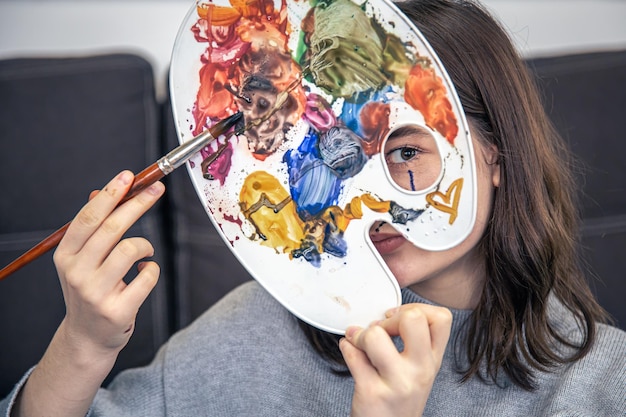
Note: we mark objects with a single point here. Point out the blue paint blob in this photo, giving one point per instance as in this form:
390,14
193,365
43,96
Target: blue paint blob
312,184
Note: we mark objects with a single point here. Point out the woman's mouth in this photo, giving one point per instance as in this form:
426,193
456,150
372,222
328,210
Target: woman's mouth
386,243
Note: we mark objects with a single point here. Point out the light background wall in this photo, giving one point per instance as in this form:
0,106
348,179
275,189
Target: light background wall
149,27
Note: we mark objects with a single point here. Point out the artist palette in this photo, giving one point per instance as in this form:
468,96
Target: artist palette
349,121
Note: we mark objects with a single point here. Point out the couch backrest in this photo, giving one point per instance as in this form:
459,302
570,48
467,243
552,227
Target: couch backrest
585,95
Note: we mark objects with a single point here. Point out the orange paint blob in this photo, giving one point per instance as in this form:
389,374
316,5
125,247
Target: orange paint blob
426,93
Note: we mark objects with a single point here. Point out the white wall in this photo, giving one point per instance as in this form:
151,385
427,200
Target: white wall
30,27
554,27
62,28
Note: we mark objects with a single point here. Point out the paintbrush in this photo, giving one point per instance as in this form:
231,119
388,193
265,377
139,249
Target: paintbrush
175,158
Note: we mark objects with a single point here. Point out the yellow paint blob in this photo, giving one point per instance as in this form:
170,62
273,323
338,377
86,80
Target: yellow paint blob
269,207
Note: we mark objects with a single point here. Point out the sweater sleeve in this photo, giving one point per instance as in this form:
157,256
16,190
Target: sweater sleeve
6,405
132,390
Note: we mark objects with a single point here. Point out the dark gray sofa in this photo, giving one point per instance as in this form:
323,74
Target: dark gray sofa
67,125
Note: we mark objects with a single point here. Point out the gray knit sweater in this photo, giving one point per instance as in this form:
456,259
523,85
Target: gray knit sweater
246,356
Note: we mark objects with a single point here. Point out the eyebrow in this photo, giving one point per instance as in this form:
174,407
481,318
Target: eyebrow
409,130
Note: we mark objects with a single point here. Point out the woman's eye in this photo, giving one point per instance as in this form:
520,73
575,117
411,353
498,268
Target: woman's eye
403,154
412,157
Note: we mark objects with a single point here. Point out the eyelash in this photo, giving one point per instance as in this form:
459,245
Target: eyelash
415,153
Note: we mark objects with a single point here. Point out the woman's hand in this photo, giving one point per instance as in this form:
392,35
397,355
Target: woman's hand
392,383
92,261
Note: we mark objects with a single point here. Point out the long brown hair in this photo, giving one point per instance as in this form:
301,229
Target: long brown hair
531,242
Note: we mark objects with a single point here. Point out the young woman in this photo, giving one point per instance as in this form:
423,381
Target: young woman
502,324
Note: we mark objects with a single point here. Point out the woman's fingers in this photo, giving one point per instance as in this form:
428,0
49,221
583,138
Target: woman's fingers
378,347
91,260
423,328
111,229
440,323
139,288
93,194
121,259
90,217
357,361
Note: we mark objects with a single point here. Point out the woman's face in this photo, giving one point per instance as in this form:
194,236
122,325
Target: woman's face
453,277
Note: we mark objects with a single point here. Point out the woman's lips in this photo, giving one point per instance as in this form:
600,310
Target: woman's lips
386,243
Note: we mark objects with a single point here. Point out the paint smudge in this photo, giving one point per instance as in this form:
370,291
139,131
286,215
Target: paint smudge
233,219
411,180
312,184
403,215
342,302
319,113
216,162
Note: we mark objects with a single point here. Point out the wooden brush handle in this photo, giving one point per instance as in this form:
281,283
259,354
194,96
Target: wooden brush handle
142,181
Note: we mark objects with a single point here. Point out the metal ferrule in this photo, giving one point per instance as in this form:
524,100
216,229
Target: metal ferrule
177,156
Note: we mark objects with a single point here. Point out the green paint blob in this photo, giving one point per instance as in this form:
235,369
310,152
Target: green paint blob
346,53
